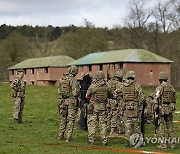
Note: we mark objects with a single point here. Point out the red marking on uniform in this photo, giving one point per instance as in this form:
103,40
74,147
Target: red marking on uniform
107,149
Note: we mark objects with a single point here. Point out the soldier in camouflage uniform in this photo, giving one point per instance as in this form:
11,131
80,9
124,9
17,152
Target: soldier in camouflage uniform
18,94
99,91
149,108
133,98
120,122
113,104
165,99
68,90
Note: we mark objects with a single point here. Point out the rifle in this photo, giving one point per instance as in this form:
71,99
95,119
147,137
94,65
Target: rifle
143,119
156,115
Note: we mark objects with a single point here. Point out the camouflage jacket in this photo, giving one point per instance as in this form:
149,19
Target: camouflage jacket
92,92
18,88
133,105
165,98
73,86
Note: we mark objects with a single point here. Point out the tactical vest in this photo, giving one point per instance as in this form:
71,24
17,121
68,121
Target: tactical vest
130,97
101,93
168,94
65,88
129,93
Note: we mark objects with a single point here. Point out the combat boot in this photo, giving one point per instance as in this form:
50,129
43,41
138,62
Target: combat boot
172,146
113,132
61,136
16,121
69,140
162,146
128,144
105,143
90,143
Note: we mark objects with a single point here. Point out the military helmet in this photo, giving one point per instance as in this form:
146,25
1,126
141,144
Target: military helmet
20,70
73,70
163,76
118,74
99,75
130,74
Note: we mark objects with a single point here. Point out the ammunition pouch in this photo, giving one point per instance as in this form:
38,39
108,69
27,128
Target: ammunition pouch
71,103
167,108
132,109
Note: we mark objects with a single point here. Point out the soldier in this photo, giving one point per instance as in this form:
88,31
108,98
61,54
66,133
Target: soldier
120,122
68,90
165,100
99,91
18,94
113,104
84,85
149,108
133,98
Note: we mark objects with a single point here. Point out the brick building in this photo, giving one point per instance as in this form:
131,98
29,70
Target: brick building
42,71
146,65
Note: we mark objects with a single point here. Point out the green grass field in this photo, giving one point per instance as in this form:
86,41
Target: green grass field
39,132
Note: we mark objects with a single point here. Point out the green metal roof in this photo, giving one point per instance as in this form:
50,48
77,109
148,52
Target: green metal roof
54,61
126,55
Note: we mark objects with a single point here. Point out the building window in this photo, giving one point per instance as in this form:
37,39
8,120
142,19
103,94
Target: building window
121,66
100,67
46,70
32,71
114,66
24,71
12,72
41,70
89,68
32,82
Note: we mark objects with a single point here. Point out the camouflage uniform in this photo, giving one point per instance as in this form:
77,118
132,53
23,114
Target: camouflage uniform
165,101
68,90
120,123
18,94
133,98
149,108
113,115
99,91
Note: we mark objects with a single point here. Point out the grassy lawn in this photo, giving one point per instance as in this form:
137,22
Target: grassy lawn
39,132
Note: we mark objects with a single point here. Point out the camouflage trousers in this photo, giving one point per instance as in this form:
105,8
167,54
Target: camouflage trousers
91,122
120,125
166,122
18,108
132,125
67,123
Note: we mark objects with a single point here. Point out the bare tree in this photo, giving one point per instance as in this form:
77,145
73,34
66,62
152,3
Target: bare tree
137,21
174,15
162,16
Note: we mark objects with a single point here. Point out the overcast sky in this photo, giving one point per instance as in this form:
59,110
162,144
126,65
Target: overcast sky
102,13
